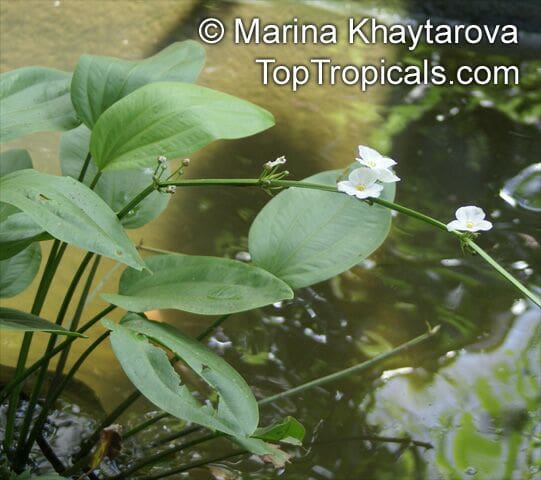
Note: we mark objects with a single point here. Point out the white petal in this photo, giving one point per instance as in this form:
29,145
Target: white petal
386,162
385,175
368,154
366,163
346,187
364,176
455,225
470,213
483,225
374,191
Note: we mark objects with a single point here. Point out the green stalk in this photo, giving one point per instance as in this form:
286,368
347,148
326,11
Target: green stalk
163,454
136,200
194,464
50,345
16,382
77,317
55,255
504,273
86,163
56,392
142,426
267,183
132,398
333,377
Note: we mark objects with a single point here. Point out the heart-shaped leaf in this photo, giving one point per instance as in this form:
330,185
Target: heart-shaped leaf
35,99
70,212
204,285
11,319
306,236
151,372
98,81
117,188
171,119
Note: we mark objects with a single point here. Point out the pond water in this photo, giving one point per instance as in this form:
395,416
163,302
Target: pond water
473,394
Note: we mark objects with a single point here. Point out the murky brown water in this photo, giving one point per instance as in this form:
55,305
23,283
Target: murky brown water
475,395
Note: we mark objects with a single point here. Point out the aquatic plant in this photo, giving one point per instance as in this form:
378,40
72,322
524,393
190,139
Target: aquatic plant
123,120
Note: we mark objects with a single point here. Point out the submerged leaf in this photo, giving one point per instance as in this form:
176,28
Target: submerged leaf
306,236
99,81
70,212
35,99
197,284
171,119
148,367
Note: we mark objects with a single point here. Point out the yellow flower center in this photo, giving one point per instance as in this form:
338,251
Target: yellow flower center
372,164
360,188
469,224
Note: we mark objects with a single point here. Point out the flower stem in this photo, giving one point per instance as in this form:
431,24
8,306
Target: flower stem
354,369
265,183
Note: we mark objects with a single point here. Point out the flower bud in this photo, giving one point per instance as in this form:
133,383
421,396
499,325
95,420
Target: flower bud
186,162
162,159
170,189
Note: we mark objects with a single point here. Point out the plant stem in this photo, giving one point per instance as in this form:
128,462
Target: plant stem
132,398
86,163
194,464
11,386
50,345
354,369
504,273
56,392
77,317
142,426
94,181
136,200
163,454
55,255
264,183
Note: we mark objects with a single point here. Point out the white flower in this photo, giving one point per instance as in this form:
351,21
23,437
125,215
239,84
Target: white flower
279,161
361,183
380,164
469,219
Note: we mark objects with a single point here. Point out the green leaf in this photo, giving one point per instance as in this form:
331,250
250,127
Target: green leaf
13,160
98,82
35,99
306,236
70,212
17,230
196,284
18,271
171,119
267,452
116,188
288,430
11,319
151,372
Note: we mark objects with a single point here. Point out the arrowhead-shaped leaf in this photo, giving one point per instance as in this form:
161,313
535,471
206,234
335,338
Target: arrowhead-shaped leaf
35,99
171,119
306,236
71,212
151,372
204,285
98,82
